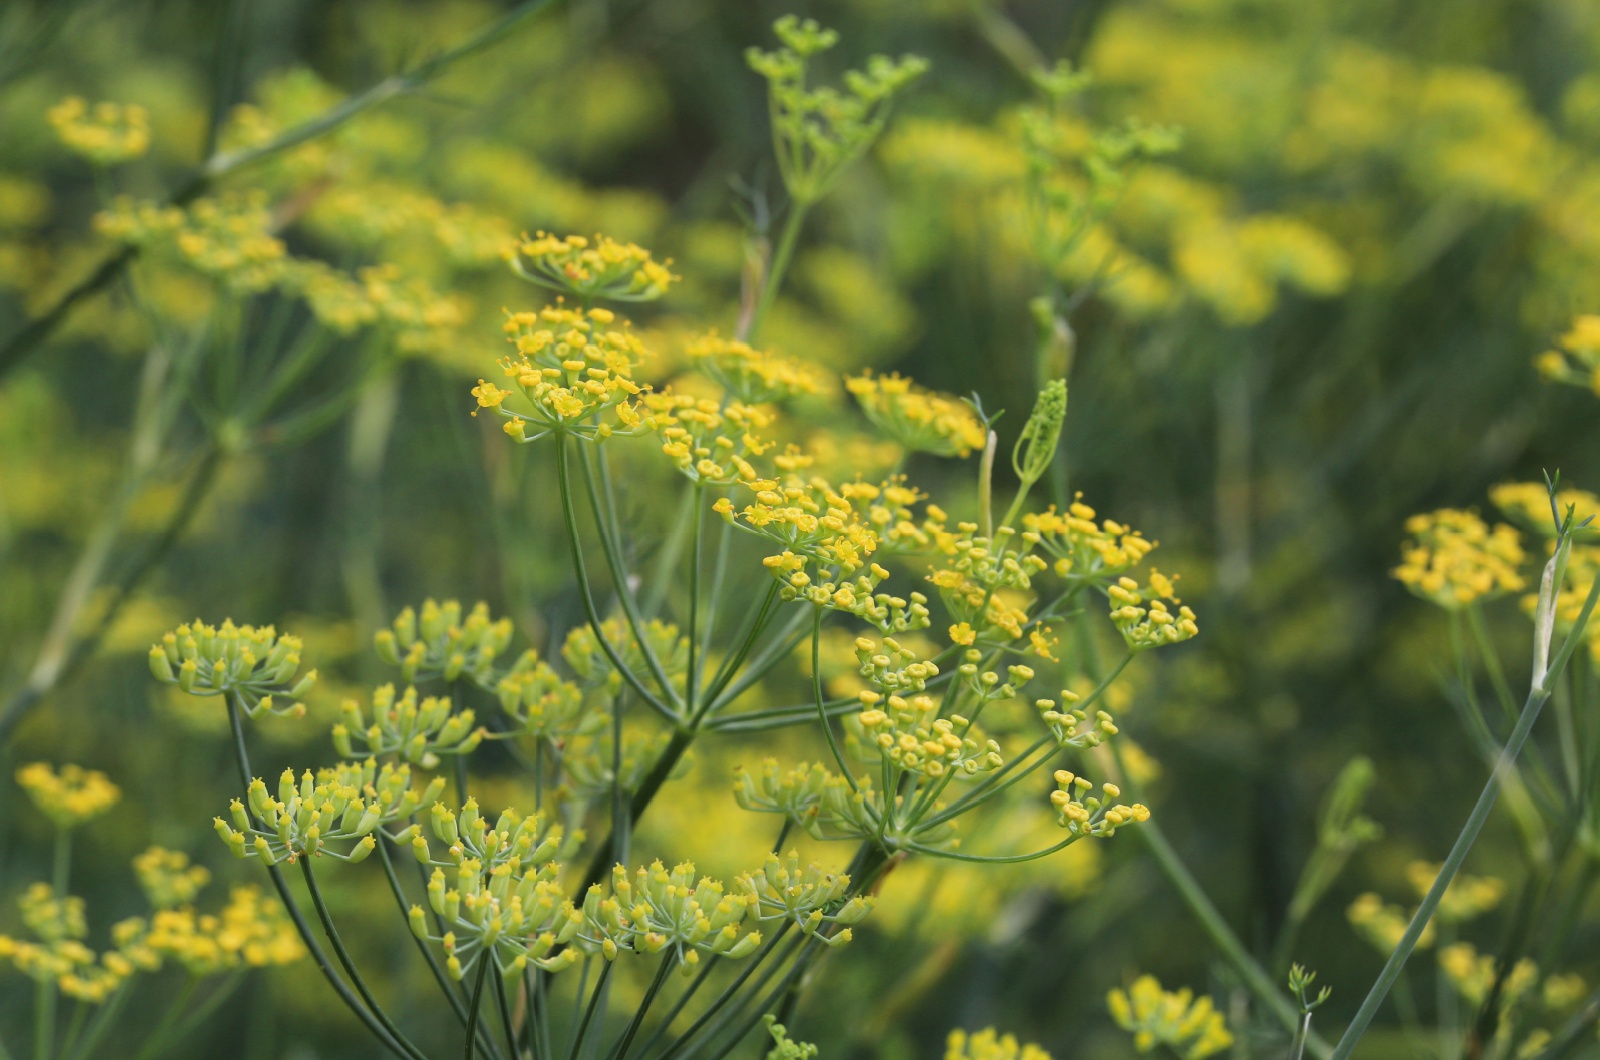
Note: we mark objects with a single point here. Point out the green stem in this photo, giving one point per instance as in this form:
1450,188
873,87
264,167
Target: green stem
610,548
709,1016
778,268
1475,821
194,1019
44,1019
691,681
822,710
476,1005
581,572
582,1031
457,1003
620,1050
349,964
281,885
507,1025
706,968
730,665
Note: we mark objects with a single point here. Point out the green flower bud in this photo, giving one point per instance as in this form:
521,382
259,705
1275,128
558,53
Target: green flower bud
161,666
362,850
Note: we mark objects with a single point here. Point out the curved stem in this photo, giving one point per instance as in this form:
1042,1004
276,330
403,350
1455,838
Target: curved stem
476,1005
620,1050
290,906
611,549
730,665
581,572
778,267
691,681
349,965
822,710
589,1011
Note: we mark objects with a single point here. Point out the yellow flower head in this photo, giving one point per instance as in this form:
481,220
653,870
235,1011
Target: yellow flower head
1084,549
710,442
988,1045
1528,504
601,268
920,420
229,238
1467,897
1192,1028
70,796
571,365
1144,617
754,376
105,133
167,878
1576,357
1454,558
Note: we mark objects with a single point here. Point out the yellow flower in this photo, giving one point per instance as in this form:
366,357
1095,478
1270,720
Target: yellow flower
1454,558
1192,1028
987,1045
70,796
106,133
963,634
920,420
754,376
601,269
1576,358
489,396
571,367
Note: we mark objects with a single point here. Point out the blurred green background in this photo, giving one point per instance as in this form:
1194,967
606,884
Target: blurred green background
1271,420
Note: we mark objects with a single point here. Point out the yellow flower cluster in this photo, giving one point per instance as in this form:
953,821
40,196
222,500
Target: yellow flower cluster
68,796
1455,558
817,800
599,269
910,736
807,897
541,703
441,643
106,133
571,367
167,878
1192,1028
1467,897
1143,617
1064,723
417,731
754,376
920,420
1473,974
372,212
251,931
1083,549
1576,358
1383,925
60,955
1084,814
988,1045
250,664
228,238
1529,504
710,442
302,820
980,579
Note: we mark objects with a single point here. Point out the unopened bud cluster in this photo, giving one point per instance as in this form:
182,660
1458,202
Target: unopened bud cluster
251,665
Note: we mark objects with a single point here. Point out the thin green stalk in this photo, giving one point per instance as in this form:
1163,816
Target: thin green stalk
582,1030
507,1025
641,800
730,665
349,965
620,580
1491,661
719,579
57,663
708,1018
816,691
691,683
44,1019
801,963
103,1020
620,1050
778,267
457,1003
1543,679
195,1018
1222,936
476,1005
667,555
157,1041
581,572
290,906
706,968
